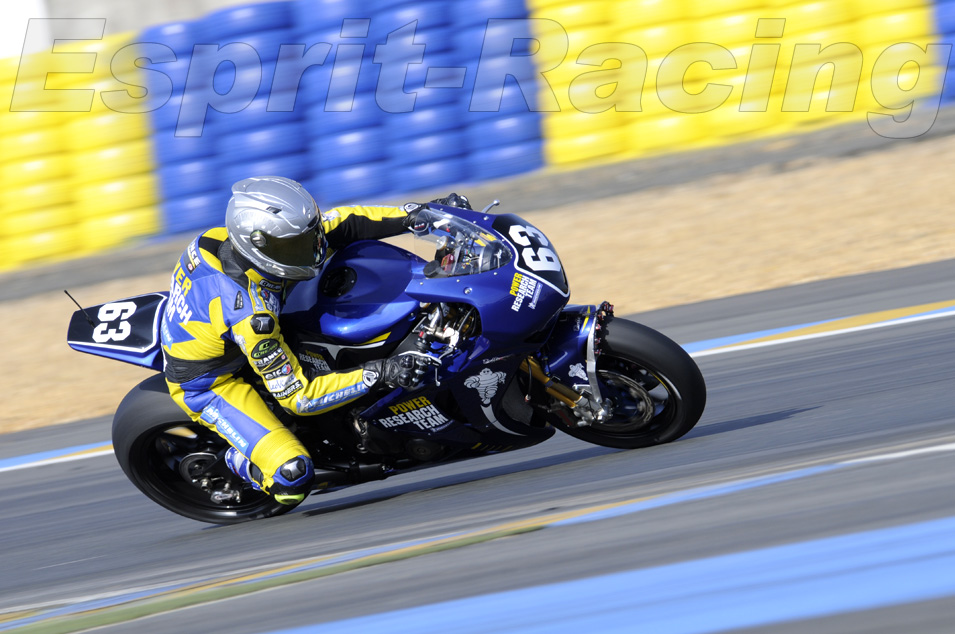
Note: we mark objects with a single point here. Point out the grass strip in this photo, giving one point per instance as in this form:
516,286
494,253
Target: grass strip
113,615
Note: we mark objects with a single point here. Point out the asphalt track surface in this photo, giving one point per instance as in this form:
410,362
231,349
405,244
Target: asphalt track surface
769,484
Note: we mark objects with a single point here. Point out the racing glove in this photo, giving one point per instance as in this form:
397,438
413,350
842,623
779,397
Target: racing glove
411,220
451,200
397,371
454,200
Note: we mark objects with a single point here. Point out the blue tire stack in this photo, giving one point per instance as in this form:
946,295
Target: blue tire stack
502,132
184,149
322,91
347,151
945,26
256,129
423,124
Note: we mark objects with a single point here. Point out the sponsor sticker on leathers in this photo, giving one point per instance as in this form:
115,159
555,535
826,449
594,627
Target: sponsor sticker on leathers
264,348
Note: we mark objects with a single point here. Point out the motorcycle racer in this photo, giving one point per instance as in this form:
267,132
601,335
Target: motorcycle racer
222,321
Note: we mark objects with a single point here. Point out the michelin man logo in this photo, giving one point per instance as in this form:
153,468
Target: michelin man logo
486,384
577,370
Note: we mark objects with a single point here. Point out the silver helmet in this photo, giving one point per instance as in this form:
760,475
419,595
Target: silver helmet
275,224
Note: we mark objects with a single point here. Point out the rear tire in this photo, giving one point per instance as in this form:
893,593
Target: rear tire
156,444
657,390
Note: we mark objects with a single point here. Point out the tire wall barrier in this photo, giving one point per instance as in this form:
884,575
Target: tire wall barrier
78,176
722,71
372,100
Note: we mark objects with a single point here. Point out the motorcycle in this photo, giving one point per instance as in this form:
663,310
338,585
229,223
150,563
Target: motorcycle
478,310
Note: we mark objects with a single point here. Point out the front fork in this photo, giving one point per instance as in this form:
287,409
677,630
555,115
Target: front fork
572,352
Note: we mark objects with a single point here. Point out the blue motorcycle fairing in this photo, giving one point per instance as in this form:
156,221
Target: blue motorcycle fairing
359,296
465,411
513,325
567,346
502,320
126,330
535,254
525,314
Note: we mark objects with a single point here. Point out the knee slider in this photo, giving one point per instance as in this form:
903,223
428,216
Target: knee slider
293,479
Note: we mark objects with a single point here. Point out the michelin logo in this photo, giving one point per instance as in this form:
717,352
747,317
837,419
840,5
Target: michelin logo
212,415
307,406
577,371
486,383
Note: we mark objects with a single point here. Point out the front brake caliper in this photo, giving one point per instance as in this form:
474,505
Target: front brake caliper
592,408
604,315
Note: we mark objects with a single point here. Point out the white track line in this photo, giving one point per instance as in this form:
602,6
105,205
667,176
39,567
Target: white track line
42,463
818,335
904,454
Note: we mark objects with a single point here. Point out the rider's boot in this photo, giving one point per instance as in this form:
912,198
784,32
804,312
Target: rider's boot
290,484
240,465
293,480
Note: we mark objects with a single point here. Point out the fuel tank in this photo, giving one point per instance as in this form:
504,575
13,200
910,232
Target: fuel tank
359,296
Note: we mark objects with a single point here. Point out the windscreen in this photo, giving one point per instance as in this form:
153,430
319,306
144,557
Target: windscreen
454,247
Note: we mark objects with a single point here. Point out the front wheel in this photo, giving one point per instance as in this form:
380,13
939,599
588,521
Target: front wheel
655,390
177,463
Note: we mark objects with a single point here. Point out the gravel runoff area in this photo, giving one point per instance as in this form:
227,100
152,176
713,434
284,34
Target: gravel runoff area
644,234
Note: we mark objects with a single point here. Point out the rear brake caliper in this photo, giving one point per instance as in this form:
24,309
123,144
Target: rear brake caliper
197,468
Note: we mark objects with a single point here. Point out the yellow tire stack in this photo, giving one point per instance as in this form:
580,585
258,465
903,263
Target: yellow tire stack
667,120
901,25
580,129
35,219
74,182
772,67
110,153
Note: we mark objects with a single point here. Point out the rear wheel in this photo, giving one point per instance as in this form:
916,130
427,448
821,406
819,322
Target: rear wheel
655,390
178,463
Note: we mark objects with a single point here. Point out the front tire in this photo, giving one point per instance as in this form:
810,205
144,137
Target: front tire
164,454
656,389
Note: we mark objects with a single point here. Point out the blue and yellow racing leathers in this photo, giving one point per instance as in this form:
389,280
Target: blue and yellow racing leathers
223,317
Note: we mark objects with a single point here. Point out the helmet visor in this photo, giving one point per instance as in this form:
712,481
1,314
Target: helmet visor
306,249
